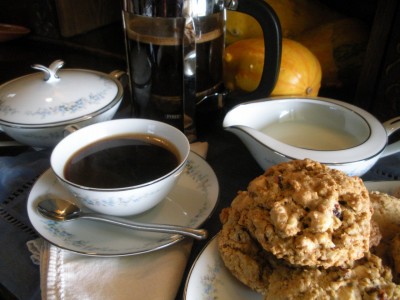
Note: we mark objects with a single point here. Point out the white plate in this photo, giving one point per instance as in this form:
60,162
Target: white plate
190,203
209,279
389,187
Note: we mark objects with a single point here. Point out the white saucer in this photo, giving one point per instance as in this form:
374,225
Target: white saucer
210,279
190,203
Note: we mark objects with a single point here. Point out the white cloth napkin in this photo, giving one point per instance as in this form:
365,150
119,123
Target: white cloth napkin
155,275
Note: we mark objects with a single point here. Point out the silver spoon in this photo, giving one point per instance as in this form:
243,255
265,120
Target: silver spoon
62,210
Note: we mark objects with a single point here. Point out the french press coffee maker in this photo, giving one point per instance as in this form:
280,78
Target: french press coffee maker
175,56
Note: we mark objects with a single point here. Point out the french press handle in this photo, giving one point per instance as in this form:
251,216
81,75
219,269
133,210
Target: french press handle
269,21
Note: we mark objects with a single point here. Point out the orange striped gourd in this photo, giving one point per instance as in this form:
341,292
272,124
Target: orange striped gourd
300,72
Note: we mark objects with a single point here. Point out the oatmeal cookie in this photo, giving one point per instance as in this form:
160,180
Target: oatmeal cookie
366,279
309,214
386,213
241,254
375,235
395,257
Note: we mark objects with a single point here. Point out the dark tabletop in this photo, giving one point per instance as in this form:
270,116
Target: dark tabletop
21,166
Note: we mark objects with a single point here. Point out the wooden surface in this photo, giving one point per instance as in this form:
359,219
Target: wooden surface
76,16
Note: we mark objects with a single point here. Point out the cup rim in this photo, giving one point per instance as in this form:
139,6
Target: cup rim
80,133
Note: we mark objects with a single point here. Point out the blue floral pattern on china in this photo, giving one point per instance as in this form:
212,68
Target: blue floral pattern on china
211,281
203,183
113,202
58,230
85,104
198,180
68,108
192,170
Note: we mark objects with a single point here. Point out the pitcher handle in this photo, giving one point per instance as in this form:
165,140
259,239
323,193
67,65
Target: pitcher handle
391,126
269,21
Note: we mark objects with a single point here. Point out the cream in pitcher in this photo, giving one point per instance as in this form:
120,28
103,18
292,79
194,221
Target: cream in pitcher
174,55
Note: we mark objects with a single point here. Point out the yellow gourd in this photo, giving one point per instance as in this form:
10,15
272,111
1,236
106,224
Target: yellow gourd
240,26
300,71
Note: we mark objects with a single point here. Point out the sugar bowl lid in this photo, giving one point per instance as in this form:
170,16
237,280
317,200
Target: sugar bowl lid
56,95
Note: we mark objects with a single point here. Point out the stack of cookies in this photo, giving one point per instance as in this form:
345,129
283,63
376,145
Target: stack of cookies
304,231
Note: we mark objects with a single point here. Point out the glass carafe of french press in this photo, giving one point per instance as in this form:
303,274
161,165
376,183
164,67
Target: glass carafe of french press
175,55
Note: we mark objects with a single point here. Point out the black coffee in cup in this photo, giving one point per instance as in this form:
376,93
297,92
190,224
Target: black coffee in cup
121,161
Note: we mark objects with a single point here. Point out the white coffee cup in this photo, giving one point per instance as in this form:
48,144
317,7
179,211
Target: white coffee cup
124,200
